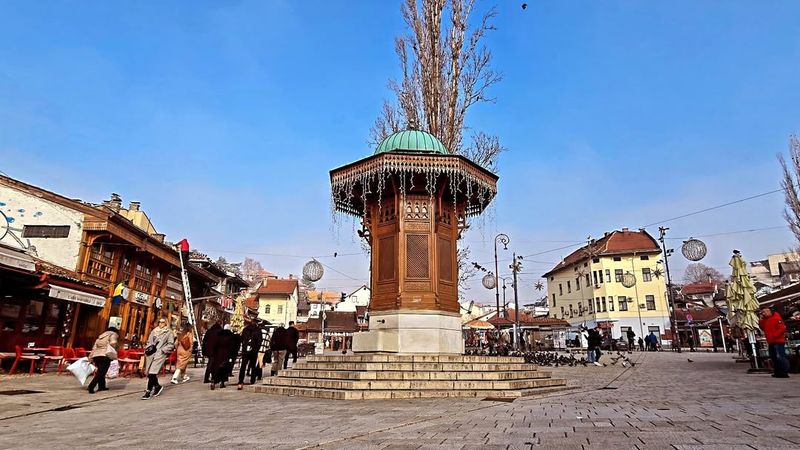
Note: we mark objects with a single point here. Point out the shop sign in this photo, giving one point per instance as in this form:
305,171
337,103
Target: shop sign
141,298
17,260
705,337
72,295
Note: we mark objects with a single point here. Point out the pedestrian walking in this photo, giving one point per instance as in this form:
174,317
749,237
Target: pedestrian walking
652,340
251,344
292,338
278,346
224,346
263,352
103,352
209,343
595,340
237,342
775,333
159,346
631,335
185,342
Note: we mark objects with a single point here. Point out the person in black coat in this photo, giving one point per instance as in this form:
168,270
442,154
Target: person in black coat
224,346
292,337
237,342
631,335
595,340
278,346
251,344
209,342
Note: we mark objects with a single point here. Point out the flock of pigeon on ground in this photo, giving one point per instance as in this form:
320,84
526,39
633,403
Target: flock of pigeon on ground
555,359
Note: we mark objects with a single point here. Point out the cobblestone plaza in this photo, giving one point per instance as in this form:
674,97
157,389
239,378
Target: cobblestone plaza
664,402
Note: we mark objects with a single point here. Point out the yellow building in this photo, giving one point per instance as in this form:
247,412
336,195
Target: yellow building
586,287
277,301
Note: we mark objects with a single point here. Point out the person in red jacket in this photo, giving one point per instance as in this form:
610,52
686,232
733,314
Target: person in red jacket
775,332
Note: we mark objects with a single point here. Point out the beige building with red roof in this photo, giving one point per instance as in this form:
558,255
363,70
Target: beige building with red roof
277,300
586,287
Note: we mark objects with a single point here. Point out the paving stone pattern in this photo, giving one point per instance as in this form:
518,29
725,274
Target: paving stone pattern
664,402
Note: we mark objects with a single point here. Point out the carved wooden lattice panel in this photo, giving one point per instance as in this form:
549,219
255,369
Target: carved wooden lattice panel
386,258
417,210
445,259
417,256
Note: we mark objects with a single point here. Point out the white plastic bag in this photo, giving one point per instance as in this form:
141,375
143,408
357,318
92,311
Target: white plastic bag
82,369
113,370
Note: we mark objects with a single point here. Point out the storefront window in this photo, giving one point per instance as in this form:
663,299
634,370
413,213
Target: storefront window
33,317
51,320
9,315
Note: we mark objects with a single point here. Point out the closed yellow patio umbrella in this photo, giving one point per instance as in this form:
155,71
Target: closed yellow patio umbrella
742,298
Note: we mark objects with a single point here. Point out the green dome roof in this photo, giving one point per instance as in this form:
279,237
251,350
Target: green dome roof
412,140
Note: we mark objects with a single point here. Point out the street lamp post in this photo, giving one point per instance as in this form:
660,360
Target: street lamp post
504,239
638,305
670,301
516,265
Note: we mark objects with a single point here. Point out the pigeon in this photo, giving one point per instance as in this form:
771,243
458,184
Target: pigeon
689,360
524,6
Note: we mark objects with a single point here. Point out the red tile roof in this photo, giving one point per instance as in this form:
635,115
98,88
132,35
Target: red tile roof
251,302
615,243
527,319
698,288
277,286
479,325
500,321
335,321
698,314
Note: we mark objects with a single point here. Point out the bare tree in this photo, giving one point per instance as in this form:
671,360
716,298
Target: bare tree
701,273
446,69
466,271
791,178
252,272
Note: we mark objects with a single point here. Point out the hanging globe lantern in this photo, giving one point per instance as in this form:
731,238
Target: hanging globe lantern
629,280
694,249
489,281
313,270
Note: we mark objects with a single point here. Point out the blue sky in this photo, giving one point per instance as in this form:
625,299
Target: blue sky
223,119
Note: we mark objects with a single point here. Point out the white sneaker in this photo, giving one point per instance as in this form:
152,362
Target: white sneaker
185,379
597,364
173,381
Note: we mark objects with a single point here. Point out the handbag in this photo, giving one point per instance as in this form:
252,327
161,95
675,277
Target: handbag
150,349
111,352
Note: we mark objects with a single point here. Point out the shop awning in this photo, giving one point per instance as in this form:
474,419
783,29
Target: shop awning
16,259
72,295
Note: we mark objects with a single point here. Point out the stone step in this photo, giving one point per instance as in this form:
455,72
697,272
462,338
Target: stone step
408,375
414,366
372,357
337,394
415,385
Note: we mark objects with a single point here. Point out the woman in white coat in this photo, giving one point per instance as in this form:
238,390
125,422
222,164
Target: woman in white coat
159,346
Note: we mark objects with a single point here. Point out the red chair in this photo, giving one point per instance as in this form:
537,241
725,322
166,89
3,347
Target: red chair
54,354
170,362
80,352
20,357
128,364
69,358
